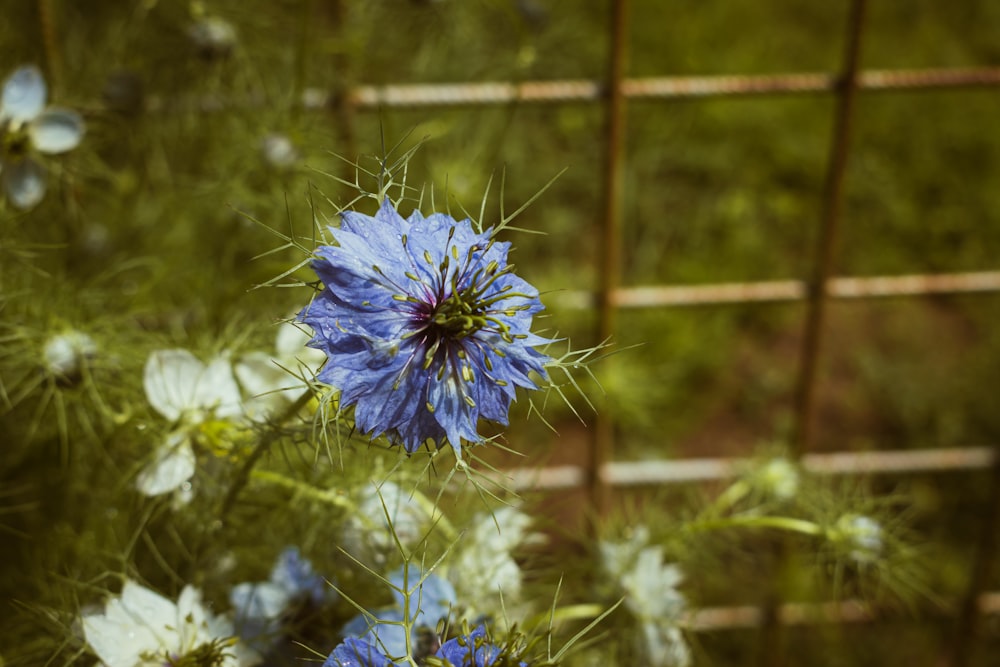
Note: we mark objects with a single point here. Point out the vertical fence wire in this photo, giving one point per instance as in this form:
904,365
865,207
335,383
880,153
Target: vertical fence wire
969,612
816,286
50,42
602,438
338,101
772,649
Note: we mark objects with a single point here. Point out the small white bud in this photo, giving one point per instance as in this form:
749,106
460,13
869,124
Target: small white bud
64,354
779,478
213,37
860,536
278,150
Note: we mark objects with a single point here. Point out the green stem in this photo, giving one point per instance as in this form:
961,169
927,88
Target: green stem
328,497
266,440
728,498
435,514
407,617
779,522
571,613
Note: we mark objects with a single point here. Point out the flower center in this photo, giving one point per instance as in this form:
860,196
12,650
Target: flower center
15,142
457,318
467,310
209,654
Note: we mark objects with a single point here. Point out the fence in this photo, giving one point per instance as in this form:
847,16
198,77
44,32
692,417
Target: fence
602,472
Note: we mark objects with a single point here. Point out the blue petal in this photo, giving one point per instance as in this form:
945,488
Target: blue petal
476,652
357,653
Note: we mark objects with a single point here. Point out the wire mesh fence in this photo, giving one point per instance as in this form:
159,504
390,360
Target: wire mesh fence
613,93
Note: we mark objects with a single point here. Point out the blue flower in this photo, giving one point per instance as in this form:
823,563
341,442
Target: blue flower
471,650
425,326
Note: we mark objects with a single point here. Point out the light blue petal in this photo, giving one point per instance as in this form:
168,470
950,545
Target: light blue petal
23,94
24,183
259,601
56,130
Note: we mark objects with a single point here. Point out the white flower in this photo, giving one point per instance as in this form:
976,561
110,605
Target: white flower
28,127
651,595
860,536
483,563
779,478
141,628
278,150
617,557
64,354
188,393
366,535
268,380
213,37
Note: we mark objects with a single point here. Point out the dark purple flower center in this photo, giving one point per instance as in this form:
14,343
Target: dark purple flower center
15,143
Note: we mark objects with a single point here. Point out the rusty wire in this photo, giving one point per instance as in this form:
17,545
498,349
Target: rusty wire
691,470
601,445
817,295
841,611
490,93
868,287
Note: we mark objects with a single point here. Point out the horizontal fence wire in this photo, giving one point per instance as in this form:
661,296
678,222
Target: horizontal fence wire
372,97
658,296
794,613
692,470
582,90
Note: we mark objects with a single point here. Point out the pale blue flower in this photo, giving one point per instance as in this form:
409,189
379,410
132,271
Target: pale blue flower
28,127
425,326
260,607
430,602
